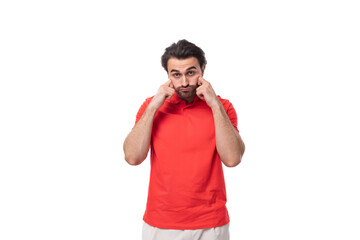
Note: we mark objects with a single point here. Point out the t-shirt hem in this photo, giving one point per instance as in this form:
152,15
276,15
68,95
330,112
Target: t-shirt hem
185,227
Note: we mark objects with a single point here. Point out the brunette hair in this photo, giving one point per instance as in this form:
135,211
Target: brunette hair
181,50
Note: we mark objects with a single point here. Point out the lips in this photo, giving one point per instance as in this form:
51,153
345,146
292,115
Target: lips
185,89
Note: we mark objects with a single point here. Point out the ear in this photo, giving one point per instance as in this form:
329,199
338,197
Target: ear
203,70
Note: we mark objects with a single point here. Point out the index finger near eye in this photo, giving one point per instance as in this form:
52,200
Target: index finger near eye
168,82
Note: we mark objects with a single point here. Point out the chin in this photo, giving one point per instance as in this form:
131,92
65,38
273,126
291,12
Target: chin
188,96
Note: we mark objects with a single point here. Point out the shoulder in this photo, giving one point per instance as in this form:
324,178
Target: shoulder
147,101
230,111
142,108
225,102
144,105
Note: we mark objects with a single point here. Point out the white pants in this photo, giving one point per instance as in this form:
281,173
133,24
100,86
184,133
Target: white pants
154,233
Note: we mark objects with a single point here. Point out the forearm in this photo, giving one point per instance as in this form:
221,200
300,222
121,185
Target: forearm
229,144
137,143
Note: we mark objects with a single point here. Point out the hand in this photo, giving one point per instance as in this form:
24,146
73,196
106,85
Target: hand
206,92
166,91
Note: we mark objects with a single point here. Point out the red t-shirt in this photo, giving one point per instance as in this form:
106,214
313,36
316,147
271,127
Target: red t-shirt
187,187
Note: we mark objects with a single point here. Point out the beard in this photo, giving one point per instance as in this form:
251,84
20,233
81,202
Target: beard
188,95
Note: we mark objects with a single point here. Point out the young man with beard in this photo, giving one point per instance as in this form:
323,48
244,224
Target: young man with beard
191,131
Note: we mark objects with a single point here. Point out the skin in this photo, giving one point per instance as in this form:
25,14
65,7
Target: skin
184,75
185,78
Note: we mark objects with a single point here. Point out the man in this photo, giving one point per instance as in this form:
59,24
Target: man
191,131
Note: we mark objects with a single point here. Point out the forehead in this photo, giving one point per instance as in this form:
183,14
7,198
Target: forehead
182,64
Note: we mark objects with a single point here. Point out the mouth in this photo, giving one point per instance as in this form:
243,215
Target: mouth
188,89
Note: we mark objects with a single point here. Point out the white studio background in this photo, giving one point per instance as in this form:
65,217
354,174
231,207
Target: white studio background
74,73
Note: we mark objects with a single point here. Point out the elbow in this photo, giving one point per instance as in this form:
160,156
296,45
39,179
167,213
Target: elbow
232,163
131,156
132,160
235,158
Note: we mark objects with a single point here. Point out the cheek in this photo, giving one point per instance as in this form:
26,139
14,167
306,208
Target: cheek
193,79
176,84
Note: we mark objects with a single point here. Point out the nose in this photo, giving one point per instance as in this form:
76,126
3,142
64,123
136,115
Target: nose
184,81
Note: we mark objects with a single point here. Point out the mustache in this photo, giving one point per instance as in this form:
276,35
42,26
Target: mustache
188,86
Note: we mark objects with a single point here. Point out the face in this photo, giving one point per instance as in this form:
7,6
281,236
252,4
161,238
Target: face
184,75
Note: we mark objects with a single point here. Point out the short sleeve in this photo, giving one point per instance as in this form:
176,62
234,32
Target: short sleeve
142,109
232,116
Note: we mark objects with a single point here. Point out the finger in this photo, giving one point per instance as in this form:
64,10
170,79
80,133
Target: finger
169,94
168,82
171,84
199,93
200,81
201,96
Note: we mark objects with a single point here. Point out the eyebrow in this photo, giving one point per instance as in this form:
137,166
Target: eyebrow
174,70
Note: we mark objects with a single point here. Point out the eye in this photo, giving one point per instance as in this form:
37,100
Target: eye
176,74
191,73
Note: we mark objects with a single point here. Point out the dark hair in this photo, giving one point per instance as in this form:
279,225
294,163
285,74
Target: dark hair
181,50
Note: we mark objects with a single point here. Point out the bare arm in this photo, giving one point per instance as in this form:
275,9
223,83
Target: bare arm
229,144
137,143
